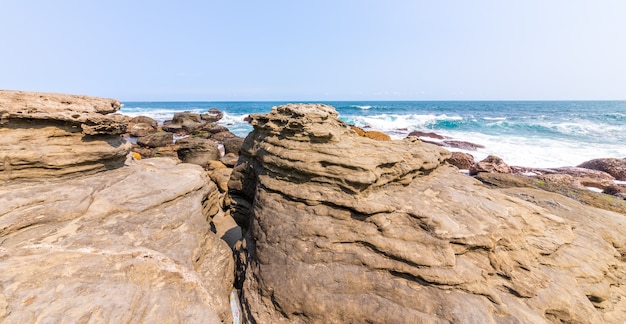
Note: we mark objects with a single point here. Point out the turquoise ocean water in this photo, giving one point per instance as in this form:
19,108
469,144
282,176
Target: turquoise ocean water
523,133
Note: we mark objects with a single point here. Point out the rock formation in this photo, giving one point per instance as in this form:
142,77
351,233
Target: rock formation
73,136
343,229
131,244
614,167
490,164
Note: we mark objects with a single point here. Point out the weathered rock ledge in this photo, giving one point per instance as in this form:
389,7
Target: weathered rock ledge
341,228
53,135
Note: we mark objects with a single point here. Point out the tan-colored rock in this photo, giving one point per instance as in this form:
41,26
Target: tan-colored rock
343,229
230,159
221,176
128,245
54,135
490,164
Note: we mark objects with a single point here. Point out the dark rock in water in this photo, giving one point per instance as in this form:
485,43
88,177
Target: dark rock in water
212,116
197,151
343,229
426,134
462,145
463,161
184,122
233,145
491,164
612,166
156,139
456,144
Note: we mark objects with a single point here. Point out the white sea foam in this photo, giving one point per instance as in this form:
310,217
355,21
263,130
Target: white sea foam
394,122
535,151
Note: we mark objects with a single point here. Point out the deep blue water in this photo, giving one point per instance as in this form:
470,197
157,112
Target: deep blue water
528,133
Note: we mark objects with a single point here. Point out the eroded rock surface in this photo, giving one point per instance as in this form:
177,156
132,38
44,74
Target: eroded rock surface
132,244
74,135
129,245
341,228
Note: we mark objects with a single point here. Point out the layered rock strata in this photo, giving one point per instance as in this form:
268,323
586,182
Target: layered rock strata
129,245
53,135
133,244
340,228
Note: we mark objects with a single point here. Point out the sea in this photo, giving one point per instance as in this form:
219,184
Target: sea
541,134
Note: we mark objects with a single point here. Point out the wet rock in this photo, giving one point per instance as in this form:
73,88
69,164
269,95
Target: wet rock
462,145
426,134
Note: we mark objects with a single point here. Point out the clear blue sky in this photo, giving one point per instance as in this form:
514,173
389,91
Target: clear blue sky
316,50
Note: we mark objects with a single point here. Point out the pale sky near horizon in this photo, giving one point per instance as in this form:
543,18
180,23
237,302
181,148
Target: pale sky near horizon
316,50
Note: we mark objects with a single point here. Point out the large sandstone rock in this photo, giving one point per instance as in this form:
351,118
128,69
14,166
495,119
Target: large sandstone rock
131,245
344,229
197,151
53,135
159,139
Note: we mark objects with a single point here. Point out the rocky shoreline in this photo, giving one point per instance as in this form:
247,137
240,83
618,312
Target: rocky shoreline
307,219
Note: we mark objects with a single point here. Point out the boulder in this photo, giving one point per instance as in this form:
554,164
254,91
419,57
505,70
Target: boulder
45,135
144,120
340,228
233,145
158,139
197,151
141,129
463,161
491,164
185,122
614,167
212,116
